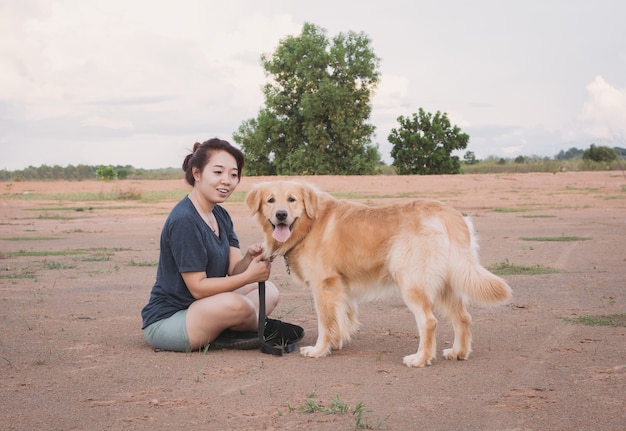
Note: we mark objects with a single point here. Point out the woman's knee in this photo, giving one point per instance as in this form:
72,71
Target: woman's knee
207,317
238,304
225,306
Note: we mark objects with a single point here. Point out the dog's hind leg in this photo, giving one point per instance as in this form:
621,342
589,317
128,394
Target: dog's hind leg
455,310
422,308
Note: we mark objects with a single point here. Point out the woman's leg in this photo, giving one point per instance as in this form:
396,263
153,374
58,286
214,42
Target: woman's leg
238,310
251,291
169,333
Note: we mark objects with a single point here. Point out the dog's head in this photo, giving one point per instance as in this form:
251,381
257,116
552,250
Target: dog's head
282,208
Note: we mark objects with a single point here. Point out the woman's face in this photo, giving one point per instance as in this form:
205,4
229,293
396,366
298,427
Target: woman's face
219,178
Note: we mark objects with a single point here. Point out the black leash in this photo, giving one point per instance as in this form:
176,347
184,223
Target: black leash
265,347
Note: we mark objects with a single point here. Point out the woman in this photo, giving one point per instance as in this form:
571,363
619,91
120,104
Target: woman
204,285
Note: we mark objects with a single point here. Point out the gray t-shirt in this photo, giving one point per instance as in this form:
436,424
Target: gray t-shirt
187,245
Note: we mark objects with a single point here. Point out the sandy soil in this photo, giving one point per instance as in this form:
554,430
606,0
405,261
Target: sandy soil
72,355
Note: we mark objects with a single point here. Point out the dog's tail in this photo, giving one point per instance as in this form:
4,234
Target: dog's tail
471,278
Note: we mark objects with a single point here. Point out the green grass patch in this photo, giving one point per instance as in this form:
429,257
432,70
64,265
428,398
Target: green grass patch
69,252
561,238
610,197
17,276
613,320
149,263
57,265
31,238
99,257
537,216
71,197
369,196
114,195
46,216
512,210
583,189
77,209
507,268
85,209
338,407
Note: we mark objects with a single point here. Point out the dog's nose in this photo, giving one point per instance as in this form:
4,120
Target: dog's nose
281,215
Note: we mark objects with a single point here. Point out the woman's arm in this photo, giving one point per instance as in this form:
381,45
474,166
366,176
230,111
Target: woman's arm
239,264
200,286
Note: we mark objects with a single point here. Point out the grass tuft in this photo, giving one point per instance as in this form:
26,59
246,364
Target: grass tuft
133,262
512,210
507,268
613,320
561,238
74,251
338,407
31,238
57,265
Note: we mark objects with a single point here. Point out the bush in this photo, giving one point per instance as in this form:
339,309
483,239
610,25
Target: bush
106,173
599,154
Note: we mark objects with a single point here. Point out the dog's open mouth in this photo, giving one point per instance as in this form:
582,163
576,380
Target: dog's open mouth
282,231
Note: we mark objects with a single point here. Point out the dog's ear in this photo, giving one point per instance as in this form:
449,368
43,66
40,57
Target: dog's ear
311,200
253,199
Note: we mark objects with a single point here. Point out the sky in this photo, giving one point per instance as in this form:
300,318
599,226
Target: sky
137,82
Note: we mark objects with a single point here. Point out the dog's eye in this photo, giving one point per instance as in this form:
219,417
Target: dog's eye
291,199
271,200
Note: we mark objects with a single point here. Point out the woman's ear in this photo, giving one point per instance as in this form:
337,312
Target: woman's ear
196,173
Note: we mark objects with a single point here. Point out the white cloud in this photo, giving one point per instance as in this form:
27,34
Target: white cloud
604,113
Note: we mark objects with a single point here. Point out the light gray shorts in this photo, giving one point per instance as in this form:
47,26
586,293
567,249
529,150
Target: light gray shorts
169,334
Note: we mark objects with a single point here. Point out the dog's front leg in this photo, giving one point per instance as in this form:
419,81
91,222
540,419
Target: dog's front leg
327,304
322,346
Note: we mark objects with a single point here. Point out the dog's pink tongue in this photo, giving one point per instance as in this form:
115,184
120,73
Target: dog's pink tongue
281,233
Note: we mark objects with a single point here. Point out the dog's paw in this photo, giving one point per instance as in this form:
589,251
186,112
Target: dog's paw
416,360
452,354
314,351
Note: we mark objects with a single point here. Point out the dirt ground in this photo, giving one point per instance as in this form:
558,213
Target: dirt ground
73,357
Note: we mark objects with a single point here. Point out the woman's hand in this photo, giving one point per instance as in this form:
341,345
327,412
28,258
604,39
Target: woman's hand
259,269
241,264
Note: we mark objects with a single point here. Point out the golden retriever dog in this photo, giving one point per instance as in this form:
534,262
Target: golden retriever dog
347,252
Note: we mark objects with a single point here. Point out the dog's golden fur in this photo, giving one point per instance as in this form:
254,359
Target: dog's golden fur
347,252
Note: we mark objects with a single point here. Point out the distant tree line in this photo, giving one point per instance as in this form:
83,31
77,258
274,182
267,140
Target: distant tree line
87,172
47,172
594,153
593,158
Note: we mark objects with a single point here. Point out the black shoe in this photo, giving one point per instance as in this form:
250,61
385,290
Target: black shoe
276,333
281,333
236,340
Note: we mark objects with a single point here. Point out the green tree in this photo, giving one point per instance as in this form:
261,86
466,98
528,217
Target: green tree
599,154
106,173
317,104
572,153
423,144
470,158
85,172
